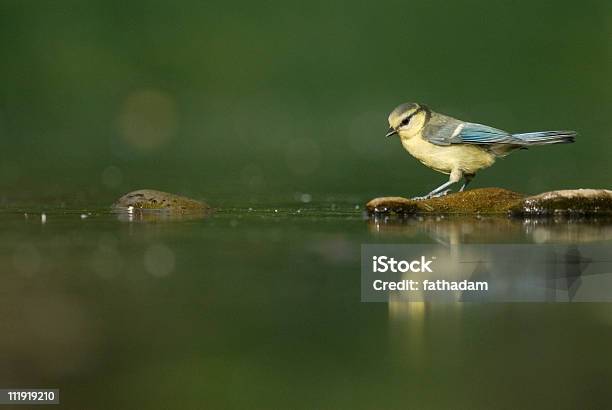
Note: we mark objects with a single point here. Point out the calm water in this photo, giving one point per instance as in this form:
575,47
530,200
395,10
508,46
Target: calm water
261,309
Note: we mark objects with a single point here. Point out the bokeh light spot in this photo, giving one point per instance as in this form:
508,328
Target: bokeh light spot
159,260
148,119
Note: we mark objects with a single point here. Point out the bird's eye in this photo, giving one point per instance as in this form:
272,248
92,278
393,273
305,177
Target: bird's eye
406,120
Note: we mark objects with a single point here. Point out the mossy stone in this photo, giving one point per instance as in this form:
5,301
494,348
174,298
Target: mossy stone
158,200
475,201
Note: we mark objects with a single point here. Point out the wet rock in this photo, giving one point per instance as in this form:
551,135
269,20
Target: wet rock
475,201
151,199
570,202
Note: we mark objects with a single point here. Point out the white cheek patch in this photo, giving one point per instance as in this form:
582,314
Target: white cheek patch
457,130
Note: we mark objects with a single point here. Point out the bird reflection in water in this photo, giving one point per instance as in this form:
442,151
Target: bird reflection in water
408,320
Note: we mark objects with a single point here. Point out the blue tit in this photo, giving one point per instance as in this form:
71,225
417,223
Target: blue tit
457,148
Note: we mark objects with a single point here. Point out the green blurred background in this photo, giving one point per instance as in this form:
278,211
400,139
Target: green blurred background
259,100
268,105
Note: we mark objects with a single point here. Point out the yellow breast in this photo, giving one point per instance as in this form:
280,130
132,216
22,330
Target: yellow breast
446,158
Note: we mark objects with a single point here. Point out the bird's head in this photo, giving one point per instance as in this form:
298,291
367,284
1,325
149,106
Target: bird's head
408,119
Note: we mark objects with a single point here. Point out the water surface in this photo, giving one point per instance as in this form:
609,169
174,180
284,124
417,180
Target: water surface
261,308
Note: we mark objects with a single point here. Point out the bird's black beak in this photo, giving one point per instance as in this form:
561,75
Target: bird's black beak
392,131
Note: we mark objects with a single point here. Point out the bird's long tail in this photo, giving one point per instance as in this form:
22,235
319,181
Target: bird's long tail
546,137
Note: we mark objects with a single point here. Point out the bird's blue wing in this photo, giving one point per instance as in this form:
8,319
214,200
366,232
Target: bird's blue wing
443,130
472,133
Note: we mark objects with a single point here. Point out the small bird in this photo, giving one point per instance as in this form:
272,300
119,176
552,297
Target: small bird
459,148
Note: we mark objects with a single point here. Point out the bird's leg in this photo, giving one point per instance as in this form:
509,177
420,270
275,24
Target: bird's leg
455,176
467,179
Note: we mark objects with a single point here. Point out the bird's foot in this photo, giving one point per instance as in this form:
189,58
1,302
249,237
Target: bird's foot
429,196
420,198
443,193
